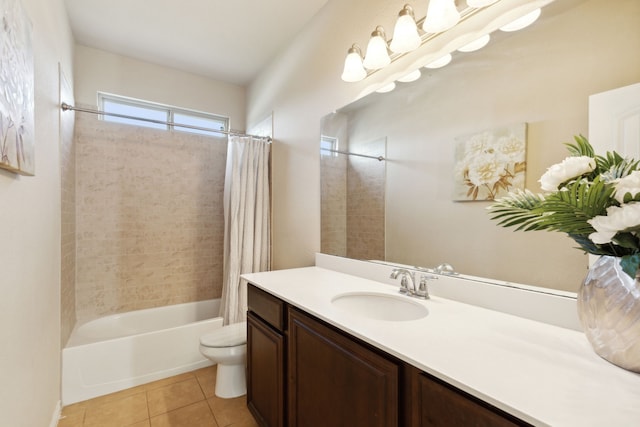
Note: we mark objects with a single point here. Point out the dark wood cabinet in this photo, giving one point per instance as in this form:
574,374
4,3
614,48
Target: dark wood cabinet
441,405
266,358
334,381
303,372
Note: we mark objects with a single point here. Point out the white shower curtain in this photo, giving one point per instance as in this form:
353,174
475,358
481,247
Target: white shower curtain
247,224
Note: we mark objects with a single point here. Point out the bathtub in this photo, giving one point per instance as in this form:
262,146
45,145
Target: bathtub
128,349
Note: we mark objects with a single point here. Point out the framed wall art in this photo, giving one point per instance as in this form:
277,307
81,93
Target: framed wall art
16,90
490,163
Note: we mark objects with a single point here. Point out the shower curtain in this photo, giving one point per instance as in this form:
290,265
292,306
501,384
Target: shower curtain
247,234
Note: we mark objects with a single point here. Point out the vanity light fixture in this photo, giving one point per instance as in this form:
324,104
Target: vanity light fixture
387,88
522,22
411,33
405,33
411,77
476,44
441,15
480,3
440,62
353,69
377,55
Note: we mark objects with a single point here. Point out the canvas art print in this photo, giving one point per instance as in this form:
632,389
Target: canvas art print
16,90
489,164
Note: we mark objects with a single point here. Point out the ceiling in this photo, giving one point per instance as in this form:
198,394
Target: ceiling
226,40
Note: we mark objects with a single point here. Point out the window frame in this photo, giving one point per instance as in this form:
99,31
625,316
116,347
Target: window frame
170,124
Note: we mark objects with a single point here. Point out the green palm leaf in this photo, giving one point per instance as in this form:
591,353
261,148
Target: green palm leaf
566,211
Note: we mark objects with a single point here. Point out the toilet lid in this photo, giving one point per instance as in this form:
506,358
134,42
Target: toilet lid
226,336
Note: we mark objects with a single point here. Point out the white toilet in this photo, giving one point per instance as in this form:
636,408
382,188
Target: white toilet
227,347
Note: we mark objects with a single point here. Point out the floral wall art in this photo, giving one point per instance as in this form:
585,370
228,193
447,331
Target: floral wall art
489,164
16,90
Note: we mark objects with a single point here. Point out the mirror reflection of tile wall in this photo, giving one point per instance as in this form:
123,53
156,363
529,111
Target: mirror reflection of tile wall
353,199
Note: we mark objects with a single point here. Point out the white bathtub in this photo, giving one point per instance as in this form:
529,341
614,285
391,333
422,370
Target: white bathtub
128,349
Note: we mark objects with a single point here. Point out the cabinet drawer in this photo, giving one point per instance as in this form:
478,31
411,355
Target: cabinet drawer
269,308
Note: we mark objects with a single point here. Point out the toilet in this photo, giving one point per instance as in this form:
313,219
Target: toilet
227,347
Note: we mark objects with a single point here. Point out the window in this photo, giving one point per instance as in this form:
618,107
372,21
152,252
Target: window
328,145
160,113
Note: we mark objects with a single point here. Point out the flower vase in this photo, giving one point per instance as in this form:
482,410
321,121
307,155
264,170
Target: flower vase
609,310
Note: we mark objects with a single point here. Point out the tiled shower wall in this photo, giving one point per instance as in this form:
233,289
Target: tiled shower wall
353,198
334,204
366,198
149,209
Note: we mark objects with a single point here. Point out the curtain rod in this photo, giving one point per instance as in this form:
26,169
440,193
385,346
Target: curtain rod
378,158
66,107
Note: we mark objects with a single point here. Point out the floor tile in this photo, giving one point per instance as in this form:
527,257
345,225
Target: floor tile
195,415
207,380
168,381
118,413
174,396
231,412
75,419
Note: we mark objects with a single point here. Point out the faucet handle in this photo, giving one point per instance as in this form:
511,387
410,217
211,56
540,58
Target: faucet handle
423,289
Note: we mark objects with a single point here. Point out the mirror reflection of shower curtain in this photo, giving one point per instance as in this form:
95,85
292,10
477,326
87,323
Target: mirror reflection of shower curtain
247,231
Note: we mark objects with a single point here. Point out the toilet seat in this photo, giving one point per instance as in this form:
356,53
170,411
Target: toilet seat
227,336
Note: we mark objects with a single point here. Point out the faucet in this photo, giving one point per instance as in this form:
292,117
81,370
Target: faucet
420,291
445,269
407,276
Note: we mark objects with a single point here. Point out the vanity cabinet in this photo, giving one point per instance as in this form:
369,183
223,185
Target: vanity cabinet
335,381
265,358
441,405
305,372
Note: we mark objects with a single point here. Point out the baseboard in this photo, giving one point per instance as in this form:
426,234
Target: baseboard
56,414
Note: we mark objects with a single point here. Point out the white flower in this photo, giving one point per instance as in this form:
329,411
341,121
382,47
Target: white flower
571,167
487,169
628,184
618,219
512,147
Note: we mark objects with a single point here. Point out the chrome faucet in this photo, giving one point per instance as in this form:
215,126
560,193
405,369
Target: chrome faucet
407,276
408,283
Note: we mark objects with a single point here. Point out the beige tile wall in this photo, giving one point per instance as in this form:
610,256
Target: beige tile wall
334,204
150,224
353,201
365,207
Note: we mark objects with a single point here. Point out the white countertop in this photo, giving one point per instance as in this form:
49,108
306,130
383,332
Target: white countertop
543,374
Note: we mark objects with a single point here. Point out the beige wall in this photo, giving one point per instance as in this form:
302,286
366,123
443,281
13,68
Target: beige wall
97,70
30,246
150,224
311,68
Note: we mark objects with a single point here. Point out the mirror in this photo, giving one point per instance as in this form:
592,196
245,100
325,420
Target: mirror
541,76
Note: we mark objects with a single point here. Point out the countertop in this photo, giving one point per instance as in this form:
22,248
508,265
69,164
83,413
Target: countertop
543,374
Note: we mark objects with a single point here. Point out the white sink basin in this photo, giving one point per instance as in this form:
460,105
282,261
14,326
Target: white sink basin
380,306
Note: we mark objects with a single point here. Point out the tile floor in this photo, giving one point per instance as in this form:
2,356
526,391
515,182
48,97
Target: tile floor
185,400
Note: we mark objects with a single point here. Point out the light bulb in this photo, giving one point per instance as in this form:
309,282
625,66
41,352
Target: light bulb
377,55
522,22
476,44
405,33
353,68
441,15
440,62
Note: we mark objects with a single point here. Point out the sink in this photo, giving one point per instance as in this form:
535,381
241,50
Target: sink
380,306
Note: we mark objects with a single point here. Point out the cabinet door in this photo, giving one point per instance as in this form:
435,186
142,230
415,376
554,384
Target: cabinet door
335,381
265,372
440,405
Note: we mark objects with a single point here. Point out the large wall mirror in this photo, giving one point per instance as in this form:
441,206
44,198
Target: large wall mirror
540,77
